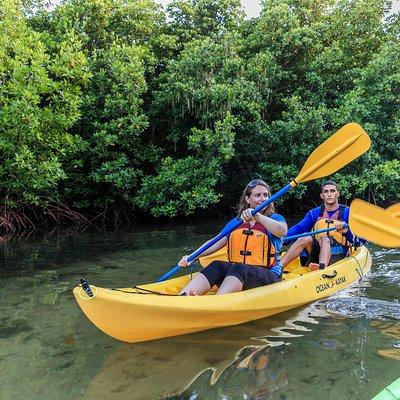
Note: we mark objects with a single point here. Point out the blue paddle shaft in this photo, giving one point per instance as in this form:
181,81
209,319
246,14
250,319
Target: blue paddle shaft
287,238
226,231
170,273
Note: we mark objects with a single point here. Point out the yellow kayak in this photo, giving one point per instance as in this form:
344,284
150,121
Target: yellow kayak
136,314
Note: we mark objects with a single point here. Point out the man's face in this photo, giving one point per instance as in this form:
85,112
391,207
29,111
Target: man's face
330,194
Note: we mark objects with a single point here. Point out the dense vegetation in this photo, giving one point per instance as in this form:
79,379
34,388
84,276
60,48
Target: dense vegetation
109,108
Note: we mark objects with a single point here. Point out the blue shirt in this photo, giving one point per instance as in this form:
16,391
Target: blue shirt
307,223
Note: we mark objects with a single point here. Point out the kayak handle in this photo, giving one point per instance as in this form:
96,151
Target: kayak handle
331,275
86,287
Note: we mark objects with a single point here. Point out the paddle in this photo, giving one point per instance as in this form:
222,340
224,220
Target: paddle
394,210
344,146
374,223
293,237
222,254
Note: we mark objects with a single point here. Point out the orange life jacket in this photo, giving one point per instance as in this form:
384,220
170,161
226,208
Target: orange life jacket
251,246
324,221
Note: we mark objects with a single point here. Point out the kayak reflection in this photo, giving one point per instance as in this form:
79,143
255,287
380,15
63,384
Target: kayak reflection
391,329
254,374
202,365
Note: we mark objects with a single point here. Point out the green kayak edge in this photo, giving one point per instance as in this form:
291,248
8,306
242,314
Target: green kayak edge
391,392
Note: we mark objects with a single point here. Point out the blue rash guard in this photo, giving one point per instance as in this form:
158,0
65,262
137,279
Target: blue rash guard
307,223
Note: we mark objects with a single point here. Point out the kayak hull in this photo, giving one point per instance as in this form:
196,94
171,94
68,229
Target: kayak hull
133,315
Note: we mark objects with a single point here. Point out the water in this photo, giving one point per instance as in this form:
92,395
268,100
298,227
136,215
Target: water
344,347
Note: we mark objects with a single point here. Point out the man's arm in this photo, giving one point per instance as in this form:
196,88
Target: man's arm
305,225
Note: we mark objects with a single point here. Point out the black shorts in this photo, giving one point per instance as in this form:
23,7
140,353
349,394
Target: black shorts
338,252
251,276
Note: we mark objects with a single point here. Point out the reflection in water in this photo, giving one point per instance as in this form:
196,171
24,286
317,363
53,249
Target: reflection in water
208,365
296,326
151,369
256,372
388,266
390,353
345,347
385,316
391,329
200,370
211,365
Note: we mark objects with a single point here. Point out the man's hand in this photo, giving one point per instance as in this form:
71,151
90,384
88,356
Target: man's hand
341,228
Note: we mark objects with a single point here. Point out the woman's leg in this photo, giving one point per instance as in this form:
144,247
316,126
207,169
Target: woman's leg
230,284
212,275
197,286
244,276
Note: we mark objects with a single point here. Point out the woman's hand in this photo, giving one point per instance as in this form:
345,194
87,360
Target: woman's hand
184,262
247,216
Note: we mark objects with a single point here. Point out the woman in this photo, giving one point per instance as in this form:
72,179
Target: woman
253,249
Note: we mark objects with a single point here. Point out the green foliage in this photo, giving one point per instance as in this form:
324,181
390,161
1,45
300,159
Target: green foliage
181,187
384,182
184,185
39,101
113,121
374,102
109,103
195,19
120,39
30,7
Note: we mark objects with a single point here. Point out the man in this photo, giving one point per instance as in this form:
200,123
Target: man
320,250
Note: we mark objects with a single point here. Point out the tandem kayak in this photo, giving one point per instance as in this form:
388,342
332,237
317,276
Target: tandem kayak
155,310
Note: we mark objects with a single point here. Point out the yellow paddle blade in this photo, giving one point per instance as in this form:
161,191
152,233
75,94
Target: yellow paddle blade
394,210
220,255
344,146
374,224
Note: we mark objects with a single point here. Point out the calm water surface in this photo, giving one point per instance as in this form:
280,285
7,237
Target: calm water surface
344,347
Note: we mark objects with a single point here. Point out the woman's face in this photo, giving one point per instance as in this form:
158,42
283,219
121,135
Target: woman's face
258,195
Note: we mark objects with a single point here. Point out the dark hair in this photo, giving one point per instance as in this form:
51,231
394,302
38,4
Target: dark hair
326,183
270,209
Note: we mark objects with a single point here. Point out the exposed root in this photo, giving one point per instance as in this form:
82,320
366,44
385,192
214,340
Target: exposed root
11,221
61,213
112,217
59,217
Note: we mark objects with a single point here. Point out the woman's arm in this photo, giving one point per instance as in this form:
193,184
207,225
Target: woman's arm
277,228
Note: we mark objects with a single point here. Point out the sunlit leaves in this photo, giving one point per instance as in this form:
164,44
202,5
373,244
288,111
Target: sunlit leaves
40,95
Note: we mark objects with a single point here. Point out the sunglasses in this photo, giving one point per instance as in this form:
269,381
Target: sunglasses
256,182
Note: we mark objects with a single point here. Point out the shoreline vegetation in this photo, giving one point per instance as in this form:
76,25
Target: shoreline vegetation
113,112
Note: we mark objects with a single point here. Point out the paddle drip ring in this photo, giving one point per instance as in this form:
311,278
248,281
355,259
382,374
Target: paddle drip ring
84,296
